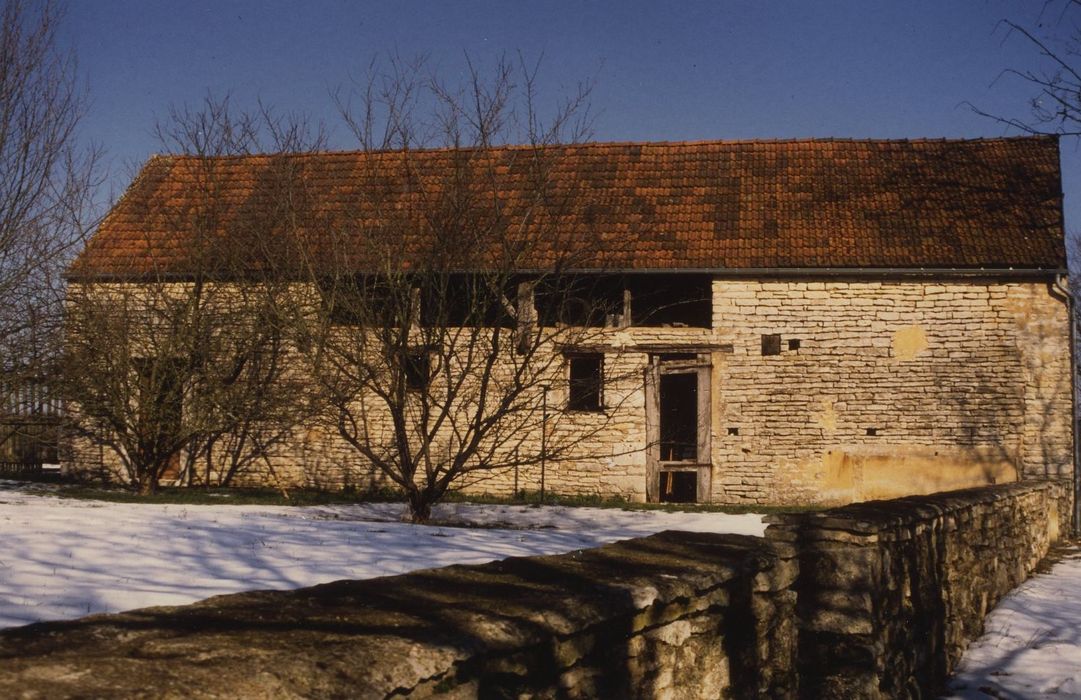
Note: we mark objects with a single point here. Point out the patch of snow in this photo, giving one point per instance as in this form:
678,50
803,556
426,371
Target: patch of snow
63,559
630,523
1032,646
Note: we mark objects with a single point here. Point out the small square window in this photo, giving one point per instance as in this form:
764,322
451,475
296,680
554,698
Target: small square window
872,431
585,382
771,344
417,367
733,430
793,344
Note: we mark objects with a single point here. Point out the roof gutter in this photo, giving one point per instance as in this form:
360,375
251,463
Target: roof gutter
719,272
843,272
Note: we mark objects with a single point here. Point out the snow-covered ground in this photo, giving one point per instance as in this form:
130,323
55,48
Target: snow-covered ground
62,559
1032,648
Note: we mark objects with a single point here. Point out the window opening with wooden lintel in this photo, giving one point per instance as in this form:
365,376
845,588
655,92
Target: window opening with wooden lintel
428,300
585,381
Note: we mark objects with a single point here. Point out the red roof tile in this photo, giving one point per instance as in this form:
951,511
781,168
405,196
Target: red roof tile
993,203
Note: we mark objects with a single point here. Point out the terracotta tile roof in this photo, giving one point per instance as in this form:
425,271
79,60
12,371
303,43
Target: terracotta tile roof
992,203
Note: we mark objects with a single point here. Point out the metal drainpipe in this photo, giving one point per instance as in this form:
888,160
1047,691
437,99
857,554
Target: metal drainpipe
1062,285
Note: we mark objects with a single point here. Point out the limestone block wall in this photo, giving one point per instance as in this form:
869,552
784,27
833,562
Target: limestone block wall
612,461
686,615
880,389
884,389
891,592
609,461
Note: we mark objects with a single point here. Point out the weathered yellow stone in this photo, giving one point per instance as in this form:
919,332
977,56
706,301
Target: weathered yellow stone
908,342
827,417
860,473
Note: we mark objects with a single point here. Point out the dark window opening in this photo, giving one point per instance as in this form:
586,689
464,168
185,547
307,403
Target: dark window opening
30,443
585,382
872,431
679,487
417,368
671,300
433,300
793,344
365,301
161,404
771,344
468,301
600,300
588,300
679,417
733,431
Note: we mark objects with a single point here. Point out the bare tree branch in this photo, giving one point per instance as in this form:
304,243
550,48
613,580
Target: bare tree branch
47,179
176,372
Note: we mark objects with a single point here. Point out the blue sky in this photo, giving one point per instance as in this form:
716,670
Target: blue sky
663,71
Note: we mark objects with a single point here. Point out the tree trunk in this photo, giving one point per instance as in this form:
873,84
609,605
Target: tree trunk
148,486
420,507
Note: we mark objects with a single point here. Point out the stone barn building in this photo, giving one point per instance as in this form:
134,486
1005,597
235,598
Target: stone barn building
838,320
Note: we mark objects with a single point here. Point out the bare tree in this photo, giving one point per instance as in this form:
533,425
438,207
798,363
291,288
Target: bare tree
179,367
452,293
1055,109
1055,106
47,179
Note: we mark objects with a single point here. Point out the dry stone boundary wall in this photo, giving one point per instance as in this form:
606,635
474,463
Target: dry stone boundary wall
873,600
672,615
891,592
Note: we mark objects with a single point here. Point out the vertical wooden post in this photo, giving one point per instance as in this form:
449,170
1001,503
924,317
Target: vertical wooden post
544,437
705,429
514,495
653,431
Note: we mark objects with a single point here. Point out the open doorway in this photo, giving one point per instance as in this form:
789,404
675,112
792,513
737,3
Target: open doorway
679,487
677,428
679,417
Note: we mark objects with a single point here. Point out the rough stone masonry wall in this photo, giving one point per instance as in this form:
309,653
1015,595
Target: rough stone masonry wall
891,592
675,615
895,388
611,462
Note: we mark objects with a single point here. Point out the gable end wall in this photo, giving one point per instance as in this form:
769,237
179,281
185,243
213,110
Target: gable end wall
895,388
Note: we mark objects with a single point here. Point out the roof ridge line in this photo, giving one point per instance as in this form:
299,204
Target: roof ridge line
588,145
